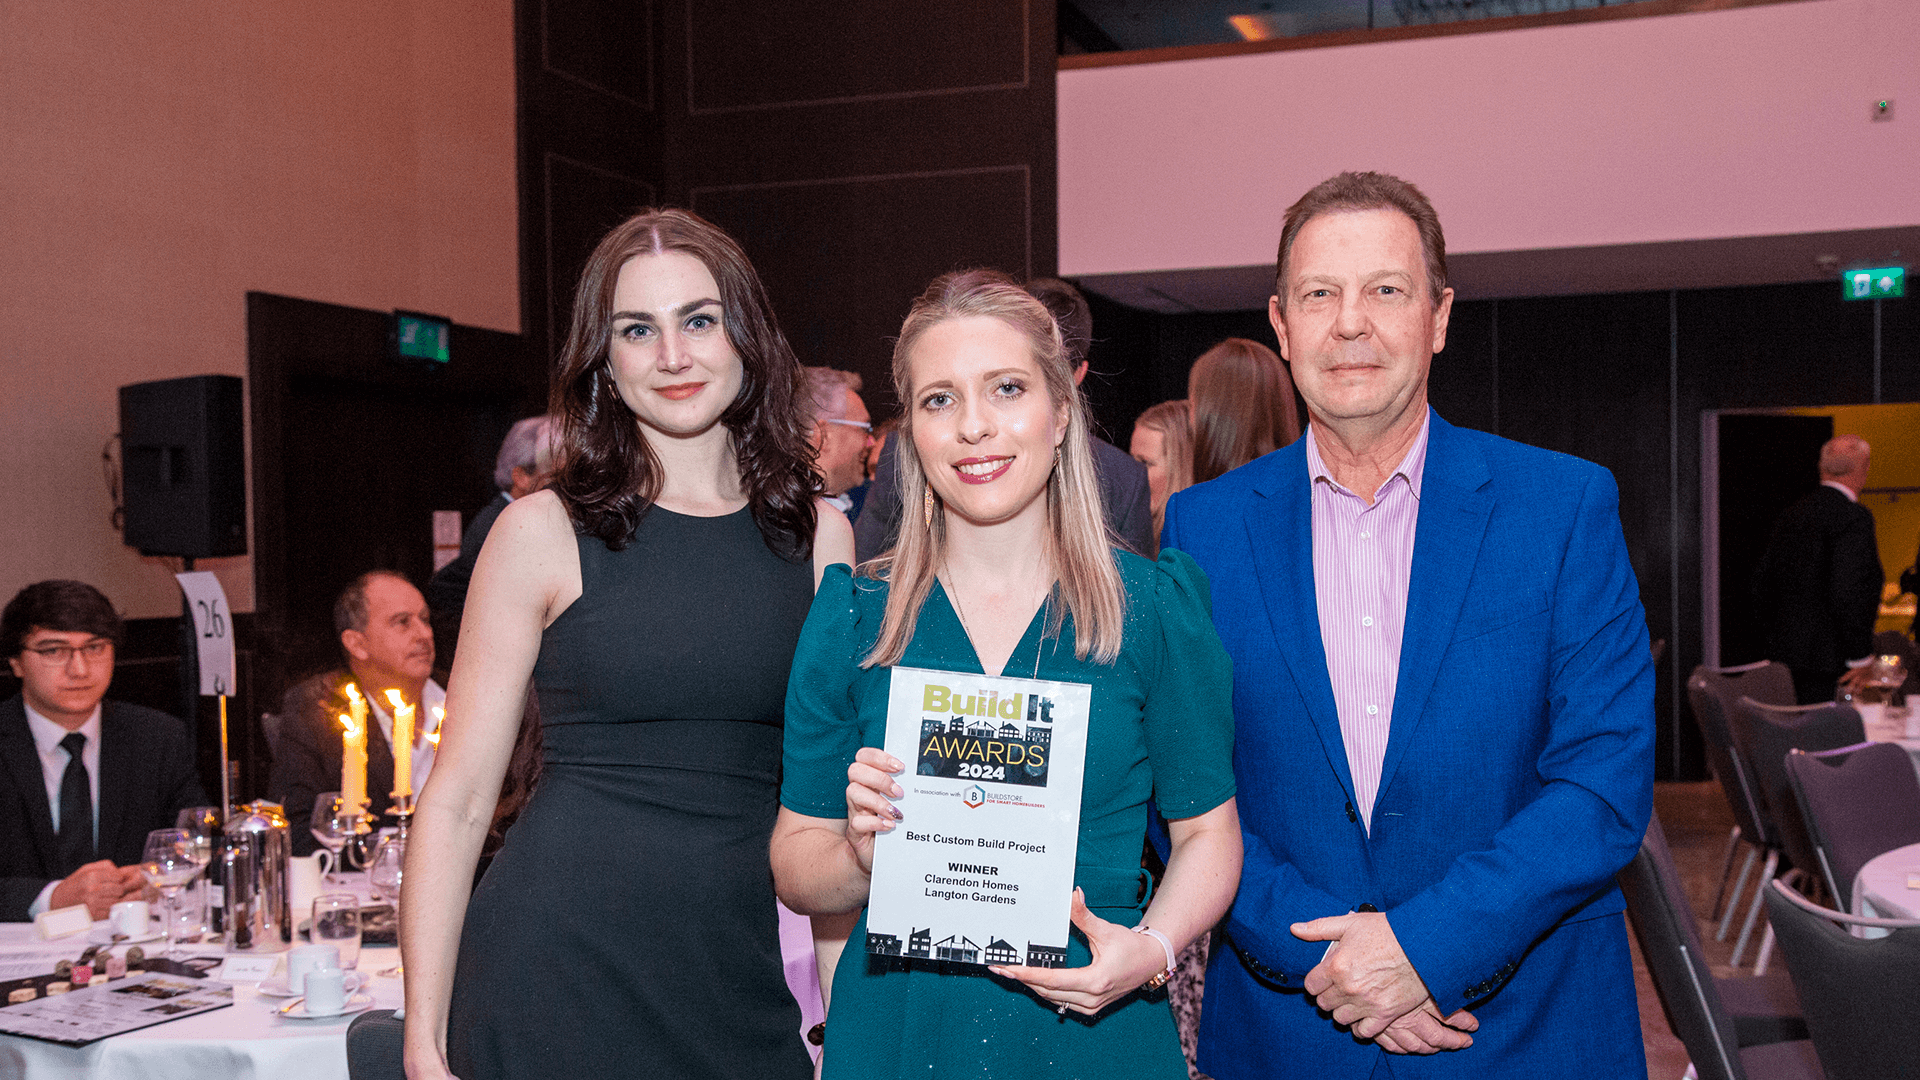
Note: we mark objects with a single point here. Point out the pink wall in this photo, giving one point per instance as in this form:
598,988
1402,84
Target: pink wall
159,160
1736,123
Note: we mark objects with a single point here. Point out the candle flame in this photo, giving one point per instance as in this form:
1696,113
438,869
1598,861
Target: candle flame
434,738
347,723
352,692
394,697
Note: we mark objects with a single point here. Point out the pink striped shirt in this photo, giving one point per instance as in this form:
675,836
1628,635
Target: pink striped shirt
1362,563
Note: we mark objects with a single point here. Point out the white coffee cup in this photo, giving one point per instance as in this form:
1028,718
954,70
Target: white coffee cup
326,991
130,917
307,959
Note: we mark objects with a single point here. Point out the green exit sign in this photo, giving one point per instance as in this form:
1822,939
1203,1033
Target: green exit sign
1876,284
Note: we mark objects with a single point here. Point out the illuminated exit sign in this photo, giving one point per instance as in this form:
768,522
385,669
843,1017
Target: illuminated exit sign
1876,284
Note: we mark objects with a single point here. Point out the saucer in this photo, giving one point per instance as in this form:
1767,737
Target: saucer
276,987
104,935
297,1008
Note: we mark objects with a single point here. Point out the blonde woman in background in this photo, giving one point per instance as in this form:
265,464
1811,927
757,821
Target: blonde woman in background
1163,442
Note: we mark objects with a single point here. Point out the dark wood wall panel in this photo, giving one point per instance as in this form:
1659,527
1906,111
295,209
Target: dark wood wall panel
1619,379
854,149
581,202
879,238
746,54
604,45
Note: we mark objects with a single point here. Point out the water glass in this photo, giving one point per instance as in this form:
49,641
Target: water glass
168,864
336,922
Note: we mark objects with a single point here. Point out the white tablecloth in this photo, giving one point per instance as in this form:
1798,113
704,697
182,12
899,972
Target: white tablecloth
248,1041
1882,891
244,1042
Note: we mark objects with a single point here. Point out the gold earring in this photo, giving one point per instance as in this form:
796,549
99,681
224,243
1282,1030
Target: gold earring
927,508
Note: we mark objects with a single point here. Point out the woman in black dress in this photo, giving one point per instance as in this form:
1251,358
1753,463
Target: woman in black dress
654,596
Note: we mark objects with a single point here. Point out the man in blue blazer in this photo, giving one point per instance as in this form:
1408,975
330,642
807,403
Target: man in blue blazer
1443,702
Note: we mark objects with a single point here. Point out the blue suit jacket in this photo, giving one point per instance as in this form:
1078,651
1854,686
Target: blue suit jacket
1518,775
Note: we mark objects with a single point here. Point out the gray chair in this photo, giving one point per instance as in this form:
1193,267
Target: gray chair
1766,733
1861,995
1858,802
1713,692
1732,1028
373,1046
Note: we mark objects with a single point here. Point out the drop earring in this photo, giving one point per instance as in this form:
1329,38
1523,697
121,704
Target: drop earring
927,508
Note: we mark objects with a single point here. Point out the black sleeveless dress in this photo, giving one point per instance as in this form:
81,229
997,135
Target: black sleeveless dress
627,926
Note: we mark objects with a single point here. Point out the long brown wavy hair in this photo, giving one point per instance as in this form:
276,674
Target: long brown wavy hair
1243,406
609,475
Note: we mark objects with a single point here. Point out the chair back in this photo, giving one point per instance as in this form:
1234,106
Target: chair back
1860,995
374,1046
1713,692
1858,802
1670,941
1767,733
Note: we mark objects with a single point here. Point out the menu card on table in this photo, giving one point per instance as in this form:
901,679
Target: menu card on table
980,871
140,1000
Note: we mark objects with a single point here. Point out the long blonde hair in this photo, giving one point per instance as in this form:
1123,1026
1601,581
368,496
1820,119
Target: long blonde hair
1174,421
1087,583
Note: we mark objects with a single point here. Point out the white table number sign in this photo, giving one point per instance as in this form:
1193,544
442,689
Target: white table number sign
980,869
212,631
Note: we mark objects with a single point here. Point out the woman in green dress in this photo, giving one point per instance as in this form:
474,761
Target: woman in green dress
1003,566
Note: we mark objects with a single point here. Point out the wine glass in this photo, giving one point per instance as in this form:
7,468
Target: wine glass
168,863
384,872
203,826
333,824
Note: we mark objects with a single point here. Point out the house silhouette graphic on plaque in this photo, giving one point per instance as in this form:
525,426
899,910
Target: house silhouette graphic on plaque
1048,956
920,944
884,944
1001,952
963,950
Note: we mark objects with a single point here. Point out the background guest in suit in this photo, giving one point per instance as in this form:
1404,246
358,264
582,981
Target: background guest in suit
1443,701
1123,481
523,466
1818,586
1243,406
842,434
387,636
82,781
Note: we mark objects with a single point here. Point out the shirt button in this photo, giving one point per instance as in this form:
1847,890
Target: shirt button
1364,536
1373,710
1367,621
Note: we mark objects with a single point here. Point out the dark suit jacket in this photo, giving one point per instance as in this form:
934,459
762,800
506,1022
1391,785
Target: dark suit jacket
1123,491
306,760
1518,775
447,589
1818,587
146,778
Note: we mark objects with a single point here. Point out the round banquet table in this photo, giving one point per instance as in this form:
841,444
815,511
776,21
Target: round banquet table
244,1041
1895,725
247,1040
1889,885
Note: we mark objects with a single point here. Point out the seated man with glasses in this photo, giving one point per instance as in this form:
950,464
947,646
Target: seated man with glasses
82,781
842,432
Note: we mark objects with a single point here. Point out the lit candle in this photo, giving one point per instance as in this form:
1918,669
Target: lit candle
353,753
439,721
402,744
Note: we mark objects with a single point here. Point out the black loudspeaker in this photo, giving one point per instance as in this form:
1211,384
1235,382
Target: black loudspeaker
183,477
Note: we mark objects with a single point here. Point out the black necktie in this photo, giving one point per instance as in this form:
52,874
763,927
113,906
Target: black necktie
76,809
